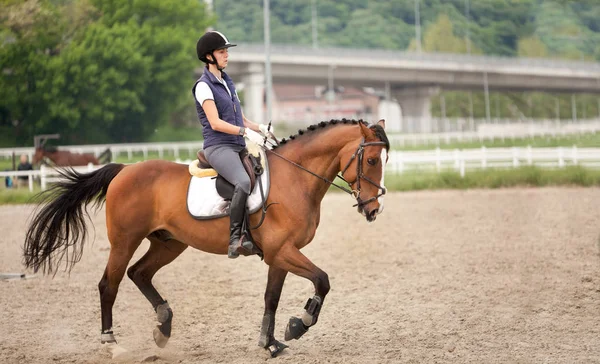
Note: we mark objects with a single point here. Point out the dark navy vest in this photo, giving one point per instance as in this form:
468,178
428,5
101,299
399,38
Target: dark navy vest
229,109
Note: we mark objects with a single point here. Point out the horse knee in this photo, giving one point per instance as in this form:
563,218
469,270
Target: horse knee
135,274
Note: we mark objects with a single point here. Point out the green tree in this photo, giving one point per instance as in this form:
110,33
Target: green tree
103,70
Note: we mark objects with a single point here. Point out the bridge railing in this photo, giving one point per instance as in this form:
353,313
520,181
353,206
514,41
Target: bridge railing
383,54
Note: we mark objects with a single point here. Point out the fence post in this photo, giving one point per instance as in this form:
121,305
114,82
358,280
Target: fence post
515,157
462,165
483,157
456,159
561,158
529,155
43,176
90,167
438,159
30,181
574,155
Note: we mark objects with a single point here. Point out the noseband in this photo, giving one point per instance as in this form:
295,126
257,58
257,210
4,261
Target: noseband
358,154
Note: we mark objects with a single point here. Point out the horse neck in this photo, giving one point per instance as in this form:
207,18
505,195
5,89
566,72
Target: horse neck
319,152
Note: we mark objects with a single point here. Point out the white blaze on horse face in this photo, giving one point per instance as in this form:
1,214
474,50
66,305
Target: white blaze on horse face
383,163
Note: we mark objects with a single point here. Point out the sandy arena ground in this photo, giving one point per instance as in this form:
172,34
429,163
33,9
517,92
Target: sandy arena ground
507,276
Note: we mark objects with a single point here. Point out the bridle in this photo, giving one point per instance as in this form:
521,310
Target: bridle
358,155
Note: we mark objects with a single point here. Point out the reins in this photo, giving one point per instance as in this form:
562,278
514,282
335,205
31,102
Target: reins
359,171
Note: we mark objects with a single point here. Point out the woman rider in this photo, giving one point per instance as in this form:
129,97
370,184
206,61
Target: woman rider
224,127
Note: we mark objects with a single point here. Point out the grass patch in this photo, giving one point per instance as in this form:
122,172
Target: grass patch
17,196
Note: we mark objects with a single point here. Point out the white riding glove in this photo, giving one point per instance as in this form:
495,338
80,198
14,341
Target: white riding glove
264,128
254,137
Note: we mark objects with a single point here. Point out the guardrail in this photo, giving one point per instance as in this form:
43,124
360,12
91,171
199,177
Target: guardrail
429,160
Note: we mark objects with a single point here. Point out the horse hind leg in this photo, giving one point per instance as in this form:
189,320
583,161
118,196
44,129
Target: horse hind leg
119,257
160,253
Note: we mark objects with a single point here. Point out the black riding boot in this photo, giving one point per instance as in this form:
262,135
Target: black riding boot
236,220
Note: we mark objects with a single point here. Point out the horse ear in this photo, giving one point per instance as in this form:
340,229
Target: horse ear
366,132
382,123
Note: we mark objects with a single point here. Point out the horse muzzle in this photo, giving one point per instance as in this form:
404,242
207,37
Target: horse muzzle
370,215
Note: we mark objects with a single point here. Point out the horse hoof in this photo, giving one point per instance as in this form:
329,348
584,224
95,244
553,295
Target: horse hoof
295,329
159,338
276,348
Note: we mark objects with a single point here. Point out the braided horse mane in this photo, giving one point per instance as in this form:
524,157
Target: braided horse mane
379,131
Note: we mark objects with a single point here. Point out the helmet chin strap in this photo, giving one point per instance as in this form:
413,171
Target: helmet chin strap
214,61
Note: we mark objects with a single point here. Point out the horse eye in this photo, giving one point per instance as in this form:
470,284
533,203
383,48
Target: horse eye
372,161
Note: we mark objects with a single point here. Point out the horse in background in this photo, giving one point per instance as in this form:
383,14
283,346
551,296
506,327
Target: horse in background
64,158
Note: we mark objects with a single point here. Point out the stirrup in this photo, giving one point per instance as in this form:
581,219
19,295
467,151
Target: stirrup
244,247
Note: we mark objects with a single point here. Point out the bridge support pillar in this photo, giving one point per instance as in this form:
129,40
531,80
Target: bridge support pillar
254,89
415,104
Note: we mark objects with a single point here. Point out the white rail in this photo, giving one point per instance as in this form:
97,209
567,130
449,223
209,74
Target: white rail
116,149
500,130
429,160
469,159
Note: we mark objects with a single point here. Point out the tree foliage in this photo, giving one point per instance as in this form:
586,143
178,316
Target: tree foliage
95,70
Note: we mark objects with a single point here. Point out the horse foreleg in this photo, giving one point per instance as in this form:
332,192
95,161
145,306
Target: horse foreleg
292,260
158,255
272,294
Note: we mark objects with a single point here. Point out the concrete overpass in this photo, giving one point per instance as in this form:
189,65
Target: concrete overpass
410,78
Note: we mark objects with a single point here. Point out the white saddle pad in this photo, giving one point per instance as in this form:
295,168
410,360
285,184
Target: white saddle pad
203,201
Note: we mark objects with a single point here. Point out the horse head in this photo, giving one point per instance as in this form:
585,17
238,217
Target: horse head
38,156
363,167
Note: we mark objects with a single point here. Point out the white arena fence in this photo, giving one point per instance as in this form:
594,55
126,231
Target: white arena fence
427,161
116,149
499,130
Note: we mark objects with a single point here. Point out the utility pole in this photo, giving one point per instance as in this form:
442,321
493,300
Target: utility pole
315,42
418,26
268,77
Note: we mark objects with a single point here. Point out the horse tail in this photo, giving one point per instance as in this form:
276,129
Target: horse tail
58,230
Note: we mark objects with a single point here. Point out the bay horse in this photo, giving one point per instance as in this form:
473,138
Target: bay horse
148,200
63,158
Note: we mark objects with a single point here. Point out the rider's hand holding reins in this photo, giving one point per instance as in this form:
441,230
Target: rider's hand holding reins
254,137
265,129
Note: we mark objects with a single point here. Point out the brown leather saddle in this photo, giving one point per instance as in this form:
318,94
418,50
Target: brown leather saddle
251,164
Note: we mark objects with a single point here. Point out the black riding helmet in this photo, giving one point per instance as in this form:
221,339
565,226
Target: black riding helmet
210,42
